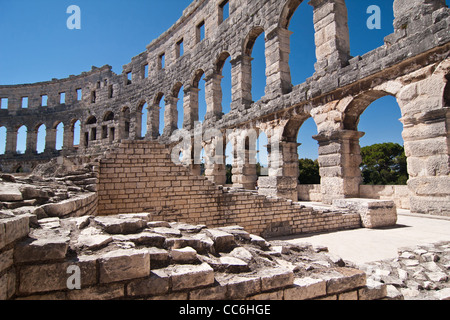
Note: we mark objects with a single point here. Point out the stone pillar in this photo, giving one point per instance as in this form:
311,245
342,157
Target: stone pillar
138,125
11,141
426,117
213,96
31,142
170,116
339,161
244,165
331,34
215,167
283,171
50,140
278,74
190,105
153,121
68,137
241,77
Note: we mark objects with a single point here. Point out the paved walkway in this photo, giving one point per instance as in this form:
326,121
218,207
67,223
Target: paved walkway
368,245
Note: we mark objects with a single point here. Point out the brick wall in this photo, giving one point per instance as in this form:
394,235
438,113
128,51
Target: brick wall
140,177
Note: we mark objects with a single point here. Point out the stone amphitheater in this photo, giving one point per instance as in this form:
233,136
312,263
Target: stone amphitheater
125,216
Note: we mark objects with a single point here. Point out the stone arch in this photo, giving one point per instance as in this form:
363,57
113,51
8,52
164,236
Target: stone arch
358,105
40,136
157,115
288,11
75,131
196,106
250,82
21,139
58,131
91,120
108,116
141,125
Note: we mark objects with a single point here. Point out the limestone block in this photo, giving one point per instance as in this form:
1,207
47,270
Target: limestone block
14,229
53,277
241,287
374,213
144,238
344,279
124,265
277,278
157,284
373,290
6,260
120,226
223,241
211,293
306,288
108,292
46,249
190,276
7,285
183,255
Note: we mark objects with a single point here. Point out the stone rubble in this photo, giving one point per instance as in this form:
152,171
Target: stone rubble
418,273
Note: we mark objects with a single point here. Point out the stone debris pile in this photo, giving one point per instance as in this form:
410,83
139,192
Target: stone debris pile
129,256
418,273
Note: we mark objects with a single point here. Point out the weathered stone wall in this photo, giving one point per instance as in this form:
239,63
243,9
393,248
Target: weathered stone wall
141,177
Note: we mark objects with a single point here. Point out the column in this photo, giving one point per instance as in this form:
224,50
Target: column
170,116
190,105
241,77
331,34
50,139
283,171
31,142
213,96
68,137
153,121
215,167
244,165
278,72
339,161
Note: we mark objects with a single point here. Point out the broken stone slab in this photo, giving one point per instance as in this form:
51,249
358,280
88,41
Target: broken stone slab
120,226
223,241
167,232
374,213
159,258
259,241
373,290
33,250
344,279
240,287
10,192
158,224
188,228
143,216
233,265
33,192
122,265
443,294
93,242
177,243
157,284
241,253
50,223
13,229
144,238
276,278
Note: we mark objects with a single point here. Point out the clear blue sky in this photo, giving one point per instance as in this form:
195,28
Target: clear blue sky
37,46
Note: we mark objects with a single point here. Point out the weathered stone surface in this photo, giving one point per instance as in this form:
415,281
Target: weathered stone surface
183,255
306,288
241,287
157,284
223,241
190,276
10,192
344,279
52,277
49,249
122,265
120,226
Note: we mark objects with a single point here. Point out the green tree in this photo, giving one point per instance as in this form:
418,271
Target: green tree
384,164
308,171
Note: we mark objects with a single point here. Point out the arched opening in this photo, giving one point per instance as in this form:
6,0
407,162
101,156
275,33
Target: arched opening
262,156
297,17
41,131
178,93
229,160
3,132
383,156
223,69
76,129
59,136
21,145
142,119
91,120
109,116
160,102
254,50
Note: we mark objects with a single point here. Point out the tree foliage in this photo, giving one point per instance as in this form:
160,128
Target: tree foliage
308,171
384,164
